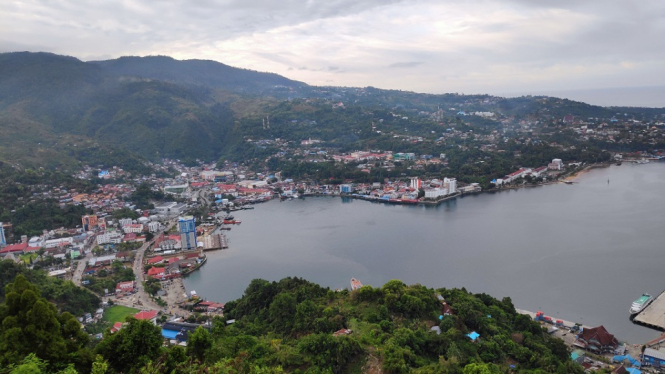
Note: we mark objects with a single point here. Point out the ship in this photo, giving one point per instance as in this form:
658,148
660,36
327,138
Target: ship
640,304
355,284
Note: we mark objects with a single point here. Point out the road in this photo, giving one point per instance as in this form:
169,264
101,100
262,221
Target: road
82,262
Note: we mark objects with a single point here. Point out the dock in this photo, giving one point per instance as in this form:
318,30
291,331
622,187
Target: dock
653,315
568,324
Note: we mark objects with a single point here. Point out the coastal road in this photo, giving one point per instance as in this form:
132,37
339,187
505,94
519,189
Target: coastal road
141,295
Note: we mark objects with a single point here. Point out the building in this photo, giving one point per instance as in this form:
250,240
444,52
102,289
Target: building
147,316
170,209
132,228
435,193
125,222
109,237
187,228
3,239
597,340
415,183
89,222
653,357
345,188
556,164
452,185
154,226
125,287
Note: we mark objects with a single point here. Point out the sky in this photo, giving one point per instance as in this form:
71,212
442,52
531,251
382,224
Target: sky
436,46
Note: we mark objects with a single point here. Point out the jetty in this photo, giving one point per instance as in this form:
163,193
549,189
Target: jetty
653,315
564,322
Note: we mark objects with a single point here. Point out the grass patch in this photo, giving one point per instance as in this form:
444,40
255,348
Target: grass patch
118,313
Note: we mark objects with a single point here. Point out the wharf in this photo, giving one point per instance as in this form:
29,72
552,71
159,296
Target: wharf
653,315
533,317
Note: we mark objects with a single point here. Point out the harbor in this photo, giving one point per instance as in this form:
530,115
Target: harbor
654,314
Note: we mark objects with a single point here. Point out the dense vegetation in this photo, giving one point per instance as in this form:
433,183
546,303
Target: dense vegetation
288,326
64,294
55,110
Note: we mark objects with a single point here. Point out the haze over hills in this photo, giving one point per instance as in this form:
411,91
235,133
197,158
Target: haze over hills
160,107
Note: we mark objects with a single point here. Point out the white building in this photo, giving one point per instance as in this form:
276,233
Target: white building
133,228
125,222
451,183
53,243
556,164
107,237
415,183
435,193
154,226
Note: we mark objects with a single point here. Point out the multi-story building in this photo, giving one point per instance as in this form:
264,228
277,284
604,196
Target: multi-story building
451,183
3,239
187,227
132,228
154,226
89,222
110,236
125,222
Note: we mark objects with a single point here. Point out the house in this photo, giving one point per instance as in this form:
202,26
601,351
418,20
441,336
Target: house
653,357
597,340
155,260
342,332
157,273
180,330
147,316
125,287
116,327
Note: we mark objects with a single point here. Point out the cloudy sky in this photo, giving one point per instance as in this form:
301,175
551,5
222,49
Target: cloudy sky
466,46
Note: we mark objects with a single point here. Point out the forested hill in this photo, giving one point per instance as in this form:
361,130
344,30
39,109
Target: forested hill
295,326
199,72
160,107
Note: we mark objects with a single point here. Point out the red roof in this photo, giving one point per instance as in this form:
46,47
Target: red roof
15,248
601,335
146,315
155,260
116,326
155,271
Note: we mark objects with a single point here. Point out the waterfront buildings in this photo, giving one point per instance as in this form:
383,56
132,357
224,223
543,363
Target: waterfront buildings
597,340
187,228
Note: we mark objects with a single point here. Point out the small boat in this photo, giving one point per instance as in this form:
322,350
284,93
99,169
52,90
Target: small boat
355,284
228,217
231,222
641,303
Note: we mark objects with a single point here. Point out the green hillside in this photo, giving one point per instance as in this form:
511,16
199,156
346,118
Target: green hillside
295,326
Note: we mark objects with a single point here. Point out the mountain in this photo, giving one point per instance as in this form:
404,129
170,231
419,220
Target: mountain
199,72
158,107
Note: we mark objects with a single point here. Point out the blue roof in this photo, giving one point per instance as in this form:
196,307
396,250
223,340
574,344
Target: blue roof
633,371
169,334
473,335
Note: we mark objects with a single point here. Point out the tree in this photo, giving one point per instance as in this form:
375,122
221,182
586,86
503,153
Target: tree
30,324
198,343
132,347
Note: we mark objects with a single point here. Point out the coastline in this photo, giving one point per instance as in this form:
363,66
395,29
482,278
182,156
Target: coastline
574,176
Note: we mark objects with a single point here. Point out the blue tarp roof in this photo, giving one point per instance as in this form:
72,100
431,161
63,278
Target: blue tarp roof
473,335
633,371
169,334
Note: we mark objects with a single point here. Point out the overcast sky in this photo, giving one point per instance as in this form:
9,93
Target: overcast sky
465,46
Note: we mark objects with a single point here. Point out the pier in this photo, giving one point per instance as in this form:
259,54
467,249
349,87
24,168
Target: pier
654,314
567,324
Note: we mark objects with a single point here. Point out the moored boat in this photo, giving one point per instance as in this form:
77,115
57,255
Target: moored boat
641,303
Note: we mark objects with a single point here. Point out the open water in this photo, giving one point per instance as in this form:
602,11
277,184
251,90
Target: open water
579,252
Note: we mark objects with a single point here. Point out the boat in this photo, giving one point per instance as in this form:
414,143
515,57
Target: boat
228,217
355,284
641,303
231,222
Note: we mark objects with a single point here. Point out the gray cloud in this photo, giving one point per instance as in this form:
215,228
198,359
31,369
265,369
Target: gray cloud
463,46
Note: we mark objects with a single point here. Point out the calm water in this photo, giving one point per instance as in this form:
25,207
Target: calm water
579,252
